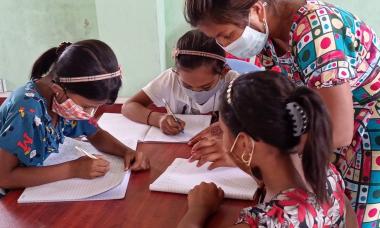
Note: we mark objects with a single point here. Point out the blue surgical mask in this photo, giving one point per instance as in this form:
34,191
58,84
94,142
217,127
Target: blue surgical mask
201,97
249,44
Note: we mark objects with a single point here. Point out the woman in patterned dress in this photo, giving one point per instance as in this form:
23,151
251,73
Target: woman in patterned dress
325,48
264,133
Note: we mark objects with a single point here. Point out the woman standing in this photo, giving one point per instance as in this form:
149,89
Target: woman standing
323,47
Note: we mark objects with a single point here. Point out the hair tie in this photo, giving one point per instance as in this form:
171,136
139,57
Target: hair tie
177,52
62,47
299,118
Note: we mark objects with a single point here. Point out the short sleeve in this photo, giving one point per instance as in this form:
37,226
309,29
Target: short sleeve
160,88
78,128
334,179
20,136
324,49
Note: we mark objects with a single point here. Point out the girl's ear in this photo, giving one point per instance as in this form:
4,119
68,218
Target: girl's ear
58,91
226,69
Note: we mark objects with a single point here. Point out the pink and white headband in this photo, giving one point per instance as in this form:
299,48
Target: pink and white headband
177,52
91,78
61,48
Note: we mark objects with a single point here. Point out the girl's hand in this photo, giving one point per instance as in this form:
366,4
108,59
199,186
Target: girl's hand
205,199
88,168
211,150
169,126
213,130
136,161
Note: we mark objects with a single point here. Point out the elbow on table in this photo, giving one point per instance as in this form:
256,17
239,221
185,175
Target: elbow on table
125,108
4,182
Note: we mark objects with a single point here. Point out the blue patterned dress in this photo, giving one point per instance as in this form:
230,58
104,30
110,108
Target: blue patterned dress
26,130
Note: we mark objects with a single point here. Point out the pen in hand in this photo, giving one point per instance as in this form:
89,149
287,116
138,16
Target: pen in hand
85,152
170,112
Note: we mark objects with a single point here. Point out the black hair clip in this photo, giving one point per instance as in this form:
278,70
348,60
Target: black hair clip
299,118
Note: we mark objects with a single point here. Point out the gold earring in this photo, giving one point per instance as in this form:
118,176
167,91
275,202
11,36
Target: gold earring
247,157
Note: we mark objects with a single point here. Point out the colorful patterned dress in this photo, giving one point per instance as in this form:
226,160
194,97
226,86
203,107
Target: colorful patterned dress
26,130
329,47
298,208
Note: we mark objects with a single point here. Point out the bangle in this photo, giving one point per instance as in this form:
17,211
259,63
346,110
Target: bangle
148,117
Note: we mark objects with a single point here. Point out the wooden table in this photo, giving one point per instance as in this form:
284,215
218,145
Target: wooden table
140,207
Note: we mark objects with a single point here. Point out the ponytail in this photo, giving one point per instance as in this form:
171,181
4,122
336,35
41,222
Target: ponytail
318,146
43,64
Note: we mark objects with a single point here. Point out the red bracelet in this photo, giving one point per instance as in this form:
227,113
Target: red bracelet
148,117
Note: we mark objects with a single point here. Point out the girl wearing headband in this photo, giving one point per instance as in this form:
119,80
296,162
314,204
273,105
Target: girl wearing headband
67,85
270,126
193,86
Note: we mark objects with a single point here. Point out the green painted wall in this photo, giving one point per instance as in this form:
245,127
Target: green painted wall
30,27
130,27
367,10
176,26
142,33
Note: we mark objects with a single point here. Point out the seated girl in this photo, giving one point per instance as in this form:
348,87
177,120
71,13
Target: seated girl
269,127
67,85
192,87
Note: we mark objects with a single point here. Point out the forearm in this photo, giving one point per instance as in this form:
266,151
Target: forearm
139,113
351,220
105,142
193,219
21,177
342,138
338,101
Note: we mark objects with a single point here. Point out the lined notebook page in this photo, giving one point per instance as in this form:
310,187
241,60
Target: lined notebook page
124,129
75,189
194,125
181,176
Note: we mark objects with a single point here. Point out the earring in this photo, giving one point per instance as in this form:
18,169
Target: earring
247,157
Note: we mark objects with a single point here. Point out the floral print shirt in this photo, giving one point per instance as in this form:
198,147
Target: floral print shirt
26,129
298,208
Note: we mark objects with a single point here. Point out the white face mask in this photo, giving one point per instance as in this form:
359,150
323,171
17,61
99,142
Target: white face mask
201,97
249,44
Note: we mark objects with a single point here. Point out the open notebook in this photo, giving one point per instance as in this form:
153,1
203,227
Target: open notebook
181,176
124,129
112,186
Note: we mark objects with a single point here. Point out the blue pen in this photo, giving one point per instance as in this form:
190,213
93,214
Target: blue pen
168,110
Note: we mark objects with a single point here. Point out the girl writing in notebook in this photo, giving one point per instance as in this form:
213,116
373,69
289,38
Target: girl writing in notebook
193,86
67,85
281,136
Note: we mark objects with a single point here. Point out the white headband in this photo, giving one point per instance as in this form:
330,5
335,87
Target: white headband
177,52
91,78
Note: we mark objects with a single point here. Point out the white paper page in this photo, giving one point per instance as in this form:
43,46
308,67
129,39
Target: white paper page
117,192
181,176
124,129
194,125
76,188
